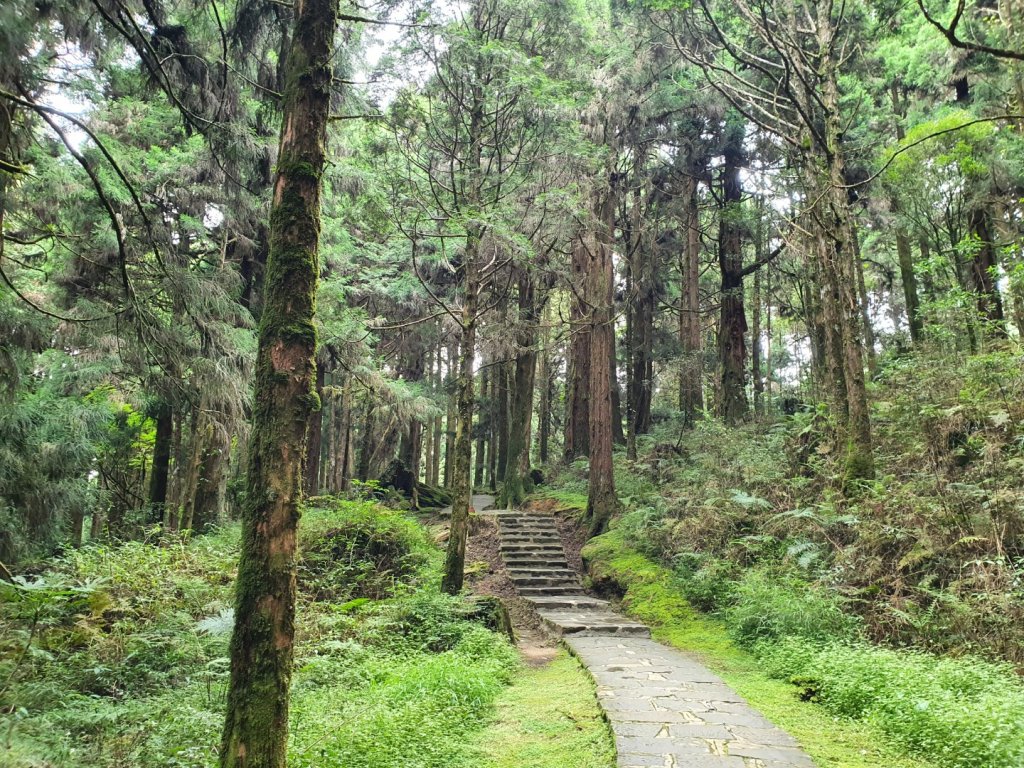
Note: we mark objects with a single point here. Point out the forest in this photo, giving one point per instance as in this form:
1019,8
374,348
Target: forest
365,366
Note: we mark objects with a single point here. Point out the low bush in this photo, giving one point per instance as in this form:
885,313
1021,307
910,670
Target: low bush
768,606
961,712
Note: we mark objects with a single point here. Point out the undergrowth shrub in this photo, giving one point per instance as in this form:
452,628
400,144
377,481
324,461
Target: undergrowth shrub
962,712
768,606
360,550
116,657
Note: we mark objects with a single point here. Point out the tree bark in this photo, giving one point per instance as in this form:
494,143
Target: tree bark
452,415
481,434
982,271
256,726
732,351
602,502
577,415
314,440
909,280
161,468
517,464
691,374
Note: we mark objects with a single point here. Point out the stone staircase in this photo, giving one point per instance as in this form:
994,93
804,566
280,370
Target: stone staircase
532,550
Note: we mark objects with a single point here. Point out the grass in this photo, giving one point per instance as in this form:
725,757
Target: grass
652,597
534,728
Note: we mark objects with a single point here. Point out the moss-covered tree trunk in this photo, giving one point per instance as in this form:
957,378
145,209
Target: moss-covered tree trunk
517,464
256,727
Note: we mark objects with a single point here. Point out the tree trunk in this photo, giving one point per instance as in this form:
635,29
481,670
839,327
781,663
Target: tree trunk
462,489
602,502
452,415
755,341
481,433
909,280
577,408
732,351
544,416
501,424
161,461
517,464
492,432
256,726
434,473
982,273
691,373
865,309
314,440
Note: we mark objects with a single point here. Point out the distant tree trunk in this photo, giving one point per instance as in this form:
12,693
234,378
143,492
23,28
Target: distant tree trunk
452,415
158,475
618,434
691,374
207,505
868,331
577,386
602,502
256,725
481,433
732,351
367,441
434,476
517,463
1010,237
502,371
544,415
410,450
643,299
755,340
909,281
492,432
982,274
314,440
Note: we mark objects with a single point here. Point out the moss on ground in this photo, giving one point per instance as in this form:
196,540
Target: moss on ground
652,597
548,718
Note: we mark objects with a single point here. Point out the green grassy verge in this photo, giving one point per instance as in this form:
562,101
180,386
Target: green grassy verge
548,718
652,597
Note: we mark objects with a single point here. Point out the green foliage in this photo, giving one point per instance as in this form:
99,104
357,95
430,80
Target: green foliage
117,655
766,607
963,712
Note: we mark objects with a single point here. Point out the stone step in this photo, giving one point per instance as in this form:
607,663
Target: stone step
532,547
591,622
557,569
550,591
525,582
530,560
531,531
574,602
513,525
551,540
525,578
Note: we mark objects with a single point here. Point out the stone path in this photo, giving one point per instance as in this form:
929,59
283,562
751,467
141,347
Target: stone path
665,708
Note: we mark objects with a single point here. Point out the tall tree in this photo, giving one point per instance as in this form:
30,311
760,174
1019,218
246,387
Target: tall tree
256,725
